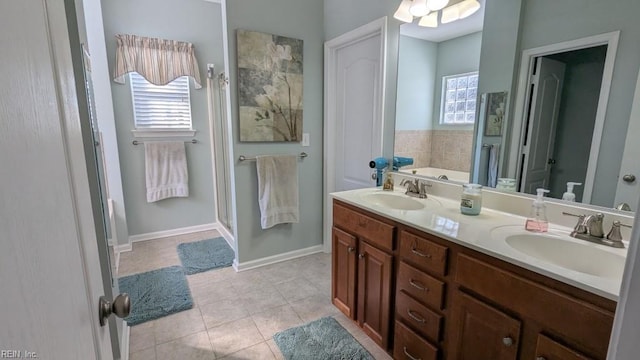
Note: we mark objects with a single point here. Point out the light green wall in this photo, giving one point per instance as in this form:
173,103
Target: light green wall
548,21
456,56
417,63
300,19
195,21
498,55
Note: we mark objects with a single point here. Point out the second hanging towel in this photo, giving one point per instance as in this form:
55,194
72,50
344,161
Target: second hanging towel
277,189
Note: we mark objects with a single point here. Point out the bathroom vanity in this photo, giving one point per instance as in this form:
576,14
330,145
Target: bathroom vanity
430,284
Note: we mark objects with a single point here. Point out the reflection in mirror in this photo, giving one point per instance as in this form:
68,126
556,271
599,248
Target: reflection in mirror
436,97
591,143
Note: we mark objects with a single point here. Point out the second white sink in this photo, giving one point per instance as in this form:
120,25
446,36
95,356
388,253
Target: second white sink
569,253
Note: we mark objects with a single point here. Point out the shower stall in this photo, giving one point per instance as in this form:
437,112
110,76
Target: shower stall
217,91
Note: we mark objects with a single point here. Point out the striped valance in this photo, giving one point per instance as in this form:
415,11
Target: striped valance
159,61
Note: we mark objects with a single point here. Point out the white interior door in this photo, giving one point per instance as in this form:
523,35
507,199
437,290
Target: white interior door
354,78
49,255
546,95
358,112
628,190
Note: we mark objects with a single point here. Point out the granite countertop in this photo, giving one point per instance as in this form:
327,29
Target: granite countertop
441,217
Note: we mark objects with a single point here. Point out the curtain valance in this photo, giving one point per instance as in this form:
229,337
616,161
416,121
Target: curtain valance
159,61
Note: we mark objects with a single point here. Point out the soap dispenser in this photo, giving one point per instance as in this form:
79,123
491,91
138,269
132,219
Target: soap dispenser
537,221
388,181
569,195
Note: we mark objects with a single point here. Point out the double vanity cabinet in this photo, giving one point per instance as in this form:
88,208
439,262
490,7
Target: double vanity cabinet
420,296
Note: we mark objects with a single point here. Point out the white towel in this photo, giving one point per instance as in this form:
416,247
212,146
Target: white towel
277,189
165,170
492,171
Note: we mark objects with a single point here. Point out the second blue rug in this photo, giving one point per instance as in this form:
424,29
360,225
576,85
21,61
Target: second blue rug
156,293
321,339
205,255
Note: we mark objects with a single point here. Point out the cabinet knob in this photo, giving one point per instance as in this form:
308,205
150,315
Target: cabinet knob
361,255
541,358
507,341
629,178
350,249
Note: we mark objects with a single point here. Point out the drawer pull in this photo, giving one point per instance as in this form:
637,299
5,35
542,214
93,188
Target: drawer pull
415,251
507,341
350,249
417,285
409,355
416,317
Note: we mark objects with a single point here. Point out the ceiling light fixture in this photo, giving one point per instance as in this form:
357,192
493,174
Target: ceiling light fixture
430,20
419,8
450,14
435,5
403,13
468,7
427,11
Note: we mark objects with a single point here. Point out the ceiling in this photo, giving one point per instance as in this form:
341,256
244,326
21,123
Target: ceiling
444,32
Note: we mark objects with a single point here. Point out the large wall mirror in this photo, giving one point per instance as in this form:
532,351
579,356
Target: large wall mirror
539,91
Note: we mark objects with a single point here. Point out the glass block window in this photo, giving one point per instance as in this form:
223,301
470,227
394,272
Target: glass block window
459,99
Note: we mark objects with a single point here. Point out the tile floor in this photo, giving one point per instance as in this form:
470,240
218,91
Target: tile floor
235,315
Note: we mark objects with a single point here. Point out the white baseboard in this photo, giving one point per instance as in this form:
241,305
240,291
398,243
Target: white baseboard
173,232
124,350
247,265
122,248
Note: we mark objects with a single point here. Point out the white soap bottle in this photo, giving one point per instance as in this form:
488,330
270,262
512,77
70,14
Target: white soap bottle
537,221
569,195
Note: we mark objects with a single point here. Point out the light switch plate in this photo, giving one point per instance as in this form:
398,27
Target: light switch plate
305,139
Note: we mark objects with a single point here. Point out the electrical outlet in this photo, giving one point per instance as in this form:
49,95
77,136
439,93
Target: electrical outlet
305,139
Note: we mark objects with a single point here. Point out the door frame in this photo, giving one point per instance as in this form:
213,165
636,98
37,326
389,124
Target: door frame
527,62
331,48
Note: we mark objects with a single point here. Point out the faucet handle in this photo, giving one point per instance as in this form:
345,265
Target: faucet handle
581,226
614,237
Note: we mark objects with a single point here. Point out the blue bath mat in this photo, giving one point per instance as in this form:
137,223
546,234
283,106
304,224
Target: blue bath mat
156,293
320,339
205,255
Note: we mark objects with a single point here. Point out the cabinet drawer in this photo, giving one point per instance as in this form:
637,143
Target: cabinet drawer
583,323
423,253
421,286
418,317
410,346
374,231
547,349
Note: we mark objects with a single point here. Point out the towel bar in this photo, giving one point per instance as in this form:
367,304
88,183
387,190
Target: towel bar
244,158
136,142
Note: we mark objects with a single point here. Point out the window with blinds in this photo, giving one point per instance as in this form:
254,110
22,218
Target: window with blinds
160,107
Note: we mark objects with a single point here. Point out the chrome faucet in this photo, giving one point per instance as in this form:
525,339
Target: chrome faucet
415,188
589,228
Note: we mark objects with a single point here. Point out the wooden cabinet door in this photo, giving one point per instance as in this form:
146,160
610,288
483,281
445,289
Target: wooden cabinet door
547,349
482,332
343,272
374,292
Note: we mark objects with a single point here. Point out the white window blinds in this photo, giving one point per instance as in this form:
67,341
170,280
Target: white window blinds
161,107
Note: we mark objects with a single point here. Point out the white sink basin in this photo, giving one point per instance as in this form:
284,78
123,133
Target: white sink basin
569,253
398,201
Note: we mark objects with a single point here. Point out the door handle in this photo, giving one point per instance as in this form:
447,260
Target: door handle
629,178
121,307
